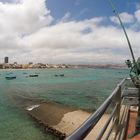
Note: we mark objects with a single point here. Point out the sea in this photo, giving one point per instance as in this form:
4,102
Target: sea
84,88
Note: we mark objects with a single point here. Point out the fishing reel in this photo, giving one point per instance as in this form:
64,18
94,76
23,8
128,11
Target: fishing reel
134,71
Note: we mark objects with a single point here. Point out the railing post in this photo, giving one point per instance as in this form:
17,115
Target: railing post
117,114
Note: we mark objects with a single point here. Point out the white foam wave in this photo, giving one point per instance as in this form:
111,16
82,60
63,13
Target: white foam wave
32,107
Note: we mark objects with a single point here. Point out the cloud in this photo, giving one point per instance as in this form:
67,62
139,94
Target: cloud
9,1
27,34
125,17
137,15
24,17
66,42
66,17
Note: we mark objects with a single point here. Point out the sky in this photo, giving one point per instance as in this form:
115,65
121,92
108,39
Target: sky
68,31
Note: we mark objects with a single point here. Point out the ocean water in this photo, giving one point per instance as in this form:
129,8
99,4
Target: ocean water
84,88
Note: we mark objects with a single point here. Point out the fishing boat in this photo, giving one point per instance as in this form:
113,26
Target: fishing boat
33,75
10,77
61,75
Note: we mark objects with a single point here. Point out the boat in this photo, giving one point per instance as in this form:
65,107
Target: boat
61,75
10,77
33,75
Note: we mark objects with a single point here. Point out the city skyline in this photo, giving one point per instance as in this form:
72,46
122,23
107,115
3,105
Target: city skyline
7,60
70,32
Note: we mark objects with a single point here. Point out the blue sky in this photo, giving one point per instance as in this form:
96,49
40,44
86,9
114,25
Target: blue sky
68,31
83,9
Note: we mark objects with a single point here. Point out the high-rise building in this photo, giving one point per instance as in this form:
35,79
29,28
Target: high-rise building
30,63
6,59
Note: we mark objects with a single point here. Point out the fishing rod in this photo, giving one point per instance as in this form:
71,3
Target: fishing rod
121,23
135,66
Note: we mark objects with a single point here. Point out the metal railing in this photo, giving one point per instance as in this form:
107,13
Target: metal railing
90,123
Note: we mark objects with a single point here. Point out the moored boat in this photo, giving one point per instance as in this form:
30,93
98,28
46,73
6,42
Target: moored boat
10,77
61,75
33,75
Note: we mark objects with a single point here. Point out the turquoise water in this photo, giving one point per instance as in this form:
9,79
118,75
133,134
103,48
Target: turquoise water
84,88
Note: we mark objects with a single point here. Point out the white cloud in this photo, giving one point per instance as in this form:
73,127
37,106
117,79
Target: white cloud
25,17
28,35
66,17
65,42
10,1
125,17
137,15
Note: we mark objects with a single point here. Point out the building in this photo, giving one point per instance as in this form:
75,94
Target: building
1,66
30,63
6,59
15,63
